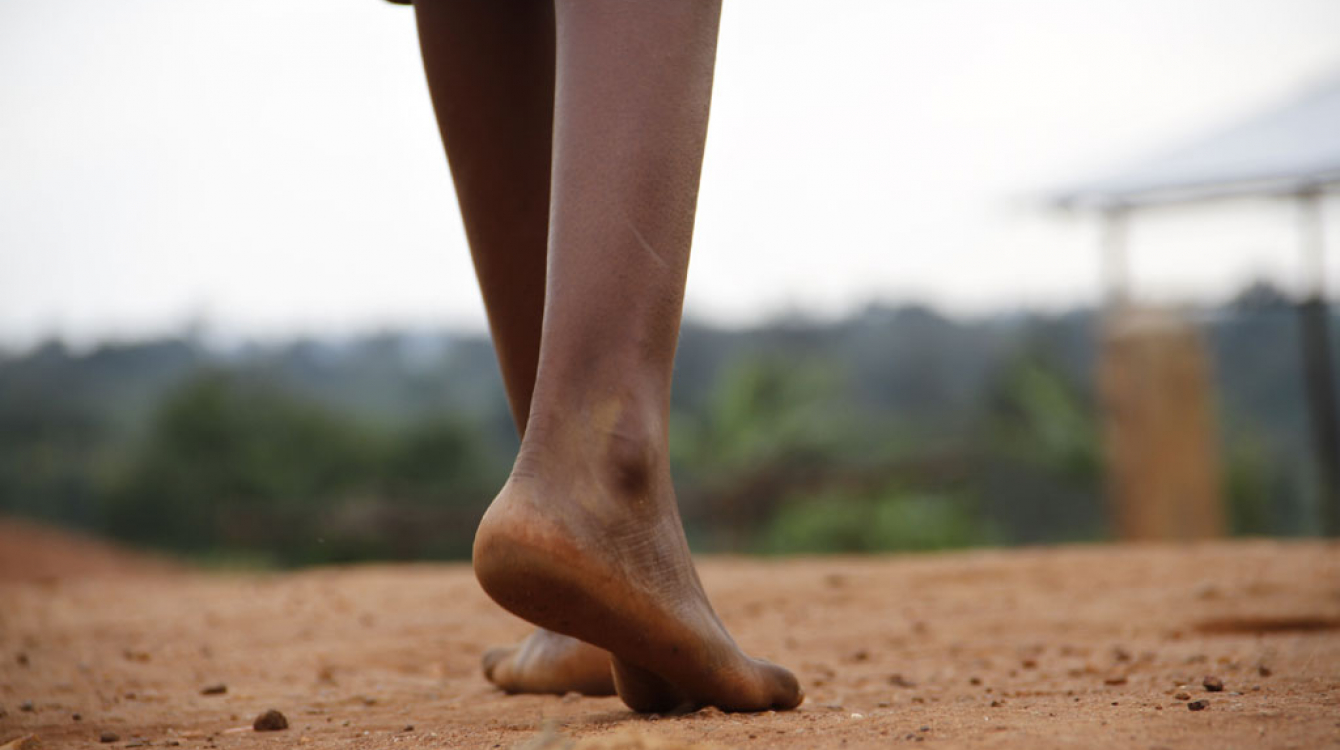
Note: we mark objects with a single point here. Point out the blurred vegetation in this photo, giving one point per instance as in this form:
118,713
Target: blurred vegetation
885,520
895,429
248,467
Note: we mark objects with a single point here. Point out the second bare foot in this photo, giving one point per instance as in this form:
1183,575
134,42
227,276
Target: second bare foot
547,662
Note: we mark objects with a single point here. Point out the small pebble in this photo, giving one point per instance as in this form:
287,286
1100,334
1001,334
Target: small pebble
1207,590
217,689
27,706
77,717
1199,705
22,659
408,728
1182,696
1263,670
1212,683
108,737
270,721
897,680
1118,680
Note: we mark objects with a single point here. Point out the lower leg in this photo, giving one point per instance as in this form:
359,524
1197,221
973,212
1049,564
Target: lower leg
490,70
585,539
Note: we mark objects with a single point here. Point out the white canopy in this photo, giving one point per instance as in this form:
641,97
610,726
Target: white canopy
1294,148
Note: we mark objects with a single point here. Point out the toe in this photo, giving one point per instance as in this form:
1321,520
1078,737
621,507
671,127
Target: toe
786,692
493,657
764,686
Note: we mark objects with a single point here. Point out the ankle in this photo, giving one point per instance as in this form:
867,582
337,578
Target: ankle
619,441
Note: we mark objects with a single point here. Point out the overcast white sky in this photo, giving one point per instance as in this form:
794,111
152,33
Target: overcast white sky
273,168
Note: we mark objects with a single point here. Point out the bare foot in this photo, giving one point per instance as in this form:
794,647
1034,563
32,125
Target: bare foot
546,662
585,539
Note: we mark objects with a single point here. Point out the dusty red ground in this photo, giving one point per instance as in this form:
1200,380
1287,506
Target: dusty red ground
1070,647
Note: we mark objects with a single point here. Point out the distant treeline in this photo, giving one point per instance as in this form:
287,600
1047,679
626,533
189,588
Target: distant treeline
897,428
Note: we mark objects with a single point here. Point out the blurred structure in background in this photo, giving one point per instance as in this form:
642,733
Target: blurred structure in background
1156,385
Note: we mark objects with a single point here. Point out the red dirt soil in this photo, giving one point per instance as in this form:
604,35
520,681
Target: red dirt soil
33,552
1096,647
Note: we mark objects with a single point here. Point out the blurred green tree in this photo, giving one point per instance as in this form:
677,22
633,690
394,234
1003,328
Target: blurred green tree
769,425
229,462
233,465
888,519
1039,453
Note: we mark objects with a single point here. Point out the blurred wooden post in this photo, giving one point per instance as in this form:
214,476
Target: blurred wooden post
1159,427
1318,373
1116,282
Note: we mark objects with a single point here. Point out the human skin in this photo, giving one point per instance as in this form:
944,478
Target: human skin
575,133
